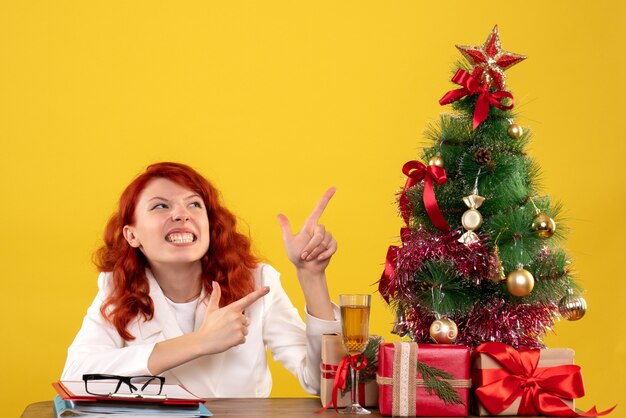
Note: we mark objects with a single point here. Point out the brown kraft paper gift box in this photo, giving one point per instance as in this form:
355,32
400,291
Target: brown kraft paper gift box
549,357
333,352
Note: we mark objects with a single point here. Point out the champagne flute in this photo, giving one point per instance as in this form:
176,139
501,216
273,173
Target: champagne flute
355,318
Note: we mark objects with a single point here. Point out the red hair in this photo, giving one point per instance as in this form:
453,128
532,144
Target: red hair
227,261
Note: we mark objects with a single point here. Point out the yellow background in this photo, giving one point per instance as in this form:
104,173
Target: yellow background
275,101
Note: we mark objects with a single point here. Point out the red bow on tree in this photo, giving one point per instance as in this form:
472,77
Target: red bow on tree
540,389
416,172
386,284
470,86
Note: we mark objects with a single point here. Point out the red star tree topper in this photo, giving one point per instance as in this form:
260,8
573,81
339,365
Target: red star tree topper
490,61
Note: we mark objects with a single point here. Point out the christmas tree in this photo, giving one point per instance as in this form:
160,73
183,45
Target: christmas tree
481,257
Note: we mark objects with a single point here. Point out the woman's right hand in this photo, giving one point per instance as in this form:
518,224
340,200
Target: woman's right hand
221,329
225,327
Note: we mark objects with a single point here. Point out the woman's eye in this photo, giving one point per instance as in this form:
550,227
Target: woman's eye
159,206
196,204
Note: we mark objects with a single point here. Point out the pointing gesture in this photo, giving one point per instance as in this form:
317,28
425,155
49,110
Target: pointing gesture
226,327
312,247
221,329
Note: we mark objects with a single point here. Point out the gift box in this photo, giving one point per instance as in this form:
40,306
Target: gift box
333,352
403,391
507,381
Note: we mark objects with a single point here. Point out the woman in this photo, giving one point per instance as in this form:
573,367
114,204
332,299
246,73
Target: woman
181,295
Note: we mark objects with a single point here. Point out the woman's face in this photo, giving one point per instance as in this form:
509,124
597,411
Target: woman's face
171,224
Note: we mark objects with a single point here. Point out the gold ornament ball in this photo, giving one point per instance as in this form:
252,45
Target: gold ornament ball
572,307
515,131
543,225
436,161
443,331
520,282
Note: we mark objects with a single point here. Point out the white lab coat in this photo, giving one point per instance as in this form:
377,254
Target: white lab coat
241,371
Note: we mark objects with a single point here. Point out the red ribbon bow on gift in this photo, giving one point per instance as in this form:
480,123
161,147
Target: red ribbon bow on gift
485,99
541,389
416,172
358,362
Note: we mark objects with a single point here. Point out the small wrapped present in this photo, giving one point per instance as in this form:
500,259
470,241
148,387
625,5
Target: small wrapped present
333,352
507,381
423,380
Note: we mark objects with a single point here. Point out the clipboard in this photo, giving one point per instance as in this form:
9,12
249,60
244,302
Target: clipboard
173,394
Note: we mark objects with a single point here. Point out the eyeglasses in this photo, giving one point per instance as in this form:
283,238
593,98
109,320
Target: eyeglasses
124,386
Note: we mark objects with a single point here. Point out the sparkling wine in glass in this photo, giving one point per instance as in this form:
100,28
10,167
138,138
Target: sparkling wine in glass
355,320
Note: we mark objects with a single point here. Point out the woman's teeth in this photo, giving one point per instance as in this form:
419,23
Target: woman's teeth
180,238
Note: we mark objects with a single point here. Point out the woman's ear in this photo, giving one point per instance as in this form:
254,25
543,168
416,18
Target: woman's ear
129,235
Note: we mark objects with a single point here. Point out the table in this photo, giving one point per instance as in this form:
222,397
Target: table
234,407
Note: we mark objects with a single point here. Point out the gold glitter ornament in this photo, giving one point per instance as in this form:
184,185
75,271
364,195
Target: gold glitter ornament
500,276
436,160
443,331
572,306
543,225
515,131
520,282
400,327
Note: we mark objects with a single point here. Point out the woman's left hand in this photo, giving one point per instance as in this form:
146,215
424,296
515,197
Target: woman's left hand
312,247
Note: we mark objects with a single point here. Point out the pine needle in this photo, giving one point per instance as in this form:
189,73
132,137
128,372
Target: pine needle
436,380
